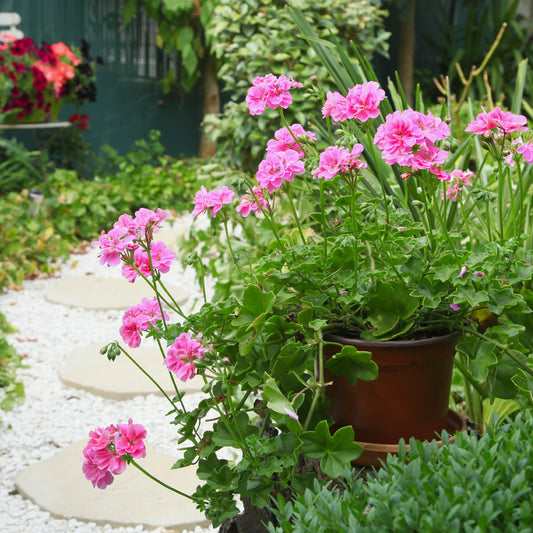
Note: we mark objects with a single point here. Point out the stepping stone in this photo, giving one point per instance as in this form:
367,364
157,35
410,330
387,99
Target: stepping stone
120,379
92,292
58,486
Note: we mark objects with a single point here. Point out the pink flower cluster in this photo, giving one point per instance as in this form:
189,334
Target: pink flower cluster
361,103
161,258
104,454
526,149
278,168
126,231
338,160
270,91
140,317
254,201
287,139
213,200
408,138
496,123
457,179
182,354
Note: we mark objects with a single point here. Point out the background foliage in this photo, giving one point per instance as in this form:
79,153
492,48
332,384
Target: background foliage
251,38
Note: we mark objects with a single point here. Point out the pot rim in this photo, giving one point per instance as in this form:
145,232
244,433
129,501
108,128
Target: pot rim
355,341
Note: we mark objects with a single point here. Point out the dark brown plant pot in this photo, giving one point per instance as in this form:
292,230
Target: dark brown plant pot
408,399
375,453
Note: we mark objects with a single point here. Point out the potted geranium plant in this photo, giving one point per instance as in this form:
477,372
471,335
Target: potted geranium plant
36,80
372,236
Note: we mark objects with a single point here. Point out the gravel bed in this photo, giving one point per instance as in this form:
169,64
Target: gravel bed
54,416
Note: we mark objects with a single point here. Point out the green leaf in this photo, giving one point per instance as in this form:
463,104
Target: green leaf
500,299
185,37
230,433
129,9
178,5
353,365
278,403
256,303
335,452
389,304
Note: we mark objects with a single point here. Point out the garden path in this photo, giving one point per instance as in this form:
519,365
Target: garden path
78,391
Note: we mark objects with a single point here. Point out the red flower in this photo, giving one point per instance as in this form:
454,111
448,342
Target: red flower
82,121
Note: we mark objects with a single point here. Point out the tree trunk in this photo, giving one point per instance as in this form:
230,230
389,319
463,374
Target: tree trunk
211,105
406,50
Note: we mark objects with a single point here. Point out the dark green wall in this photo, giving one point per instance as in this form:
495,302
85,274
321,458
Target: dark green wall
130,101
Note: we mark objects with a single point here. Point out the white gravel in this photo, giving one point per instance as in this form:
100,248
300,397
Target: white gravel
54,416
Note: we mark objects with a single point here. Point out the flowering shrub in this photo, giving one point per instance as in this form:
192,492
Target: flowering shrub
379,224
33,77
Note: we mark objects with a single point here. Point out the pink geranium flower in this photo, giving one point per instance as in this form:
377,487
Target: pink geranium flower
279,167
162,256
496,123
362,101
335,107
270,91
103,454
526,149
129,440
138,318
338,159
408,138
213,200
252,202
285,140
112,245
182,354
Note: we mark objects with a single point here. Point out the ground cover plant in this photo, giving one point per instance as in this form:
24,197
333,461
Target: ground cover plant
471,485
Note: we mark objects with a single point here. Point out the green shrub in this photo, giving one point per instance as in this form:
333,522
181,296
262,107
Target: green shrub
9,362
81,209
473,485
251,38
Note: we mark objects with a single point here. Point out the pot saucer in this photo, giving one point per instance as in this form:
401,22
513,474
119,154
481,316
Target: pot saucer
375,453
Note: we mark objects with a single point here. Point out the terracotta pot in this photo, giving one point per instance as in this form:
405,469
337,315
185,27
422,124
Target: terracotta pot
375,454
408,399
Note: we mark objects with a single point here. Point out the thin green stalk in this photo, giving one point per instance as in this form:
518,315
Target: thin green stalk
380,175
320,386
323,219
224,417
295,214
503,347
466,374
148,376
501,184
230,248
444,229
163,484
270,219
355,234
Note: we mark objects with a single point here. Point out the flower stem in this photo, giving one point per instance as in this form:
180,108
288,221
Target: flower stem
148,376
295,214
163,484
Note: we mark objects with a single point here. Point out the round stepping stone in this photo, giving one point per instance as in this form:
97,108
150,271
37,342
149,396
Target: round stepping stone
120,379
58,486
92,292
